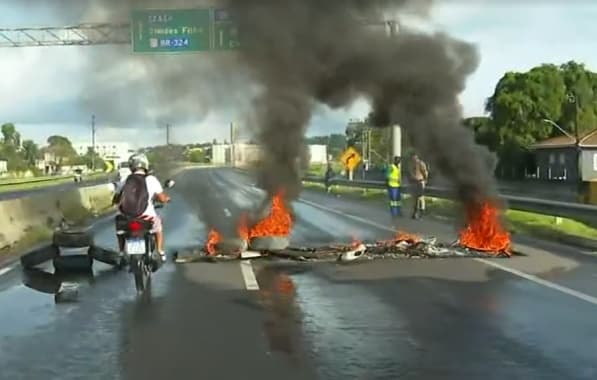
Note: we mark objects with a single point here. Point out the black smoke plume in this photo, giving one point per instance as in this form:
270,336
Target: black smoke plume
299,53
307,51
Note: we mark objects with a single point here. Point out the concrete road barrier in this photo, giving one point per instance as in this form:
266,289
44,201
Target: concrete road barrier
19,217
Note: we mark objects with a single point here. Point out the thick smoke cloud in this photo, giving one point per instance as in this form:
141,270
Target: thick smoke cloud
310,51
296,54
152,90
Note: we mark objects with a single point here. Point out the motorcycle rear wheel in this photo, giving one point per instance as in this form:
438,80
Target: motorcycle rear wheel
139,272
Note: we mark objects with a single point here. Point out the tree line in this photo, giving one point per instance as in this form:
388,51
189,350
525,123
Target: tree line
24,155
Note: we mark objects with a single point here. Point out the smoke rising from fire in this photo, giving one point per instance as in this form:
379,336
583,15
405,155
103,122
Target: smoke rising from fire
310,51
296,54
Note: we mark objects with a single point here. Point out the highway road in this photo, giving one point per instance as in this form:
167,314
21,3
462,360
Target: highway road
531,317
51,188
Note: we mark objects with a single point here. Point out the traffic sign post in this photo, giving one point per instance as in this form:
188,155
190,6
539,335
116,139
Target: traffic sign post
350,158
170,31
225,31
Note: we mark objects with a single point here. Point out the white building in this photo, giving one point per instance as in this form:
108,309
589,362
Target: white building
318,154
220,154
109,151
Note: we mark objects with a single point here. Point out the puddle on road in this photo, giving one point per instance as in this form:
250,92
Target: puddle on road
340,329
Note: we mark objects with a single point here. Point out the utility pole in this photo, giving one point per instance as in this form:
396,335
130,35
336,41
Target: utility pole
167,134
232,150
92,142
396,131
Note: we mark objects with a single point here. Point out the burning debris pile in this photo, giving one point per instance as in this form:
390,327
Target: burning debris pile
403,245
483,236
269,233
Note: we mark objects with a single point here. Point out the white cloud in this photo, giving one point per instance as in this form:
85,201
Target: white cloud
41,86
516,36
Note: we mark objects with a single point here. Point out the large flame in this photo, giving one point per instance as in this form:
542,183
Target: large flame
277,223
213,238
484,231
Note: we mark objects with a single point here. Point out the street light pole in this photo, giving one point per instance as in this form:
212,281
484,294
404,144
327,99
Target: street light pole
553,123
573,99
92,142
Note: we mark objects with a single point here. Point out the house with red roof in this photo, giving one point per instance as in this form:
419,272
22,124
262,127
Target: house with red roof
556,158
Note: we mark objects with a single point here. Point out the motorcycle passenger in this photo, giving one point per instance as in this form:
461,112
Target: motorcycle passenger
135,198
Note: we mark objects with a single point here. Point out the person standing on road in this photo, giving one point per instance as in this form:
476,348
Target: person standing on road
329,174
393,182
418,175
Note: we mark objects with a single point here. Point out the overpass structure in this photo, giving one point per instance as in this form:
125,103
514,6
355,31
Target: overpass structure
76,35
95,34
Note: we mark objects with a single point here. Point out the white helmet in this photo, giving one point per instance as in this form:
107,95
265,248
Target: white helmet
139,161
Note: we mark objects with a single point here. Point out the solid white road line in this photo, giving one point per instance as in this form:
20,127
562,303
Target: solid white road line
540,281
248,275
3,271
526,276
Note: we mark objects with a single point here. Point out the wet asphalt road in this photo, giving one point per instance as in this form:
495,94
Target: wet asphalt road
534,317
49,189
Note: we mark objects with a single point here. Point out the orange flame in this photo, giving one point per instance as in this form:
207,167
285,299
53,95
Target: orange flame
407,237
277,223
213,238
355,242
484,231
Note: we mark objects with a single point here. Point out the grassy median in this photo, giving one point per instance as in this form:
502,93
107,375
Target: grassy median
41,182
544,226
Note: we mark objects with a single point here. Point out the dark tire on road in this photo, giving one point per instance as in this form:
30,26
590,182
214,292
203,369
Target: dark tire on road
83,263
72,239
231,246
139,273
269,243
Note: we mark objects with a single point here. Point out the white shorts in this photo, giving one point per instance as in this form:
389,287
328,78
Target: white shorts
156,222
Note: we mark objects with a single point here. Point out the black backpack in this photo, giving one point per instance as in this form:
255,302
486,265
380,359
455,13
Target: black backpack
134,197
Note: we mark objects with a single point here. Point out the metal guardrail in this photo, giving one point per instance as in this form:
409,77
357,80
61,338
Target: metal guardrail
578,211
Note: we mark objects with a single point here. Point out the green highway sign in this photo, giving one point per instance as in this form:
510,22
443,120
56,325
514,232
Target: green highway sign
225,31
173,30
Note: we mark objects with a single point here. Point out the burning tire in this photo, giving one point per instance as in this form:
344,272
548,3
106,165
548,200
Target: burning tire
231,246
72,239
269,243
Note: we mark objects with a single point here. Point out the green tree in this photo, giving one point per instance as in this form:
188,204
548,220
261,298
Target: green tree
10,136
30,152
197,155
485,133
521,102
62,149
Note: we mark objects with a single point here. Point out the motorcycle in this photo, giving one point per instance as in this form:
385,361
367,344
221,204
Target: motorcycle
140,246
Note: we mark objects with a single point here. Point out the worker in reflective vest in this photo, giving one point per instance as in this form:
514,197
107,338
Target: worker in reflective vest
393,178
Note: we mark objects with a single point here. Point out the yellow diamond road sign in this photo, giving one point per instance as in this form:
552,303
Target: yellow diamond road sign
109,166
350,158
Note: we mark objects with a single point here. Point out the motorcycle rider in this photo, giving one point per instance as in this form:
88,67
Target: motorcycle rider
139,164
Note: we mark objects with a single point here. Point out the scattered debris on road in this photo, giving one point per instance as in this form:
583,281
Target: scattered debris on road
404,245
483,236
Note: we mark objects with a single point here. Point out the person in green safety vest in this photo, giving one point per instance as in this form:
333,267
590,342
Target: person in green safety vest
393,181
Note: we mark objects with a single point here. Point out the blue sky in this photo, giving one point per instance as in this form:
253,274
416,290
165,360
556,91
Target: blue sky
41,86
